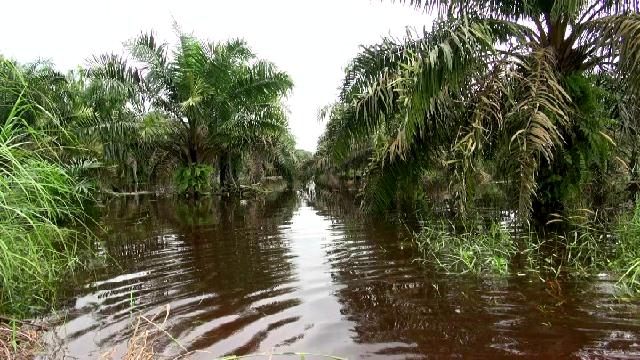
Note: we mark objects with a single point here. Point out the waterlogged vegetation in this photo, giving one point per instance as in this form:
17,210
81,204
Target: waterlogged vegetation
627,249
506,134
198,119
528,106
472,247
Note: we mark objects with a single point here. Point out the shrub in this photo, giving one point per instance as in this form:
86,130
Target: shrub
194,179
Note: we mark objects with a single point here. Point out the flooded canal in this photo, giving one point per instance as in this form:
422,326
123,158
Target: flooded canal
293,273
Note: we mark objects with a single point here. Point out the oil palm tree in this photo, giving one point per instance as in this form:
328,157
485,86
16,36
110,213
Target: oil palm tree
119,127
507,81
218,96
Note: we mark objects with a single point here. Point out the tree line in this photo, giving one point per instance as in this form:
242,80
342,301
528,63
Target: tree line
193,118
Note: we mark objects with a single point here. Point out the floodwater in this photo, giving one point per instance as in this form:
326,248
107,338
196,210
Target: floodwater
312,274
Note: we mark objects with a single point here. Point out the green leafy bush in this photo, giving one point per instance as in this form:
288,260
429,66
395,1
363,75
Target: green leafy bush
194,180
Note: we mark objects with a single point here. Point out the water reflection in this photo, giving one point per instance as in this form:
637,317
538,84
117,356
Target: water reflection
313,274
424,314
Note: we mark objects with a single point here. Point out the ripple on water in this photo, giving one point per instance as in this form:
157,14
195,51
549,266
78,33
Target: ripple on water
318,277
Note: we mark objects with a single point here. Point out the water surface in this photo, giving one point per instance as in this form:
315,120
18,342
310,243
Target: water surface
293,273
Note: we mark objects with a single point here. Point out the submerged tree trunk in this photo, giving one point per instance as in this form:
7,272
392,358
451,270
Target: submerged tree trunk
226,173
192,155
134,167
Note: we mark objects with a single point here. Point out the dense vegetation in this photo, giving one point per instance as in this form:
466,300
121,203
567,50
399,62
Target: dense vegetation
533,105
198,119
201,108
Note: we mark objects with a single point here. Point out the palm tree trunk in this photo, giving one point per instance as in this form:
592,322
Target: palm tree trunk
226,173
134,167
550,193
193,155
193,160
634,185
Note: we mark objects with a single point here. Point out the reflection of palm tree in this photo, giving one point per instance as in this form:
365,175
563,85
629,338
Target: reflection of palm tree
210,260
414,311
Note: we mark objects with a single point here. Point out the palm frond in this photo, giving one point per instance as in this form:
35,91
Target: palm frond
619,39
517,10
543,108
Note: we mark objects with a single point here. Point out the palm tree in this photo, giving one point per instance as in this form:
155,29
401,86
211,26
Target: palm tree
505,81
119,126
57,111
219,97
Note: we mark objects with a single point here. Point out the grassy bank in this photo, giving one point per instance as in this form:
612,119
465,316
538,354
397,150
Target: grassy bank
42,211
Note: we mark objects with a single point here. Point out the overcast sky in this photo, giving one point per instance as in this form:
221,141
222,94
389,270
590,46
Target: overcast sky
311,40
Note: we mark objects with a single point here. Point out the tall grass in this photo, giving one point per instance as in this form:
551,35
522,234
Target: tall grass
584,246
627,251
478,250
39,205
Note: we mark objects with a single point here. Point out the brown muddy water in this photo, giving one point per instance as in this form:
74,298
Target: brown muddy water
294,273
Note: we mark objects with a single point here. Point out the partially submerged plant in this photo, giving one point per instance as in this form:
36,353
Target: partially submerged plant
627,250
582,245
475,251
194,180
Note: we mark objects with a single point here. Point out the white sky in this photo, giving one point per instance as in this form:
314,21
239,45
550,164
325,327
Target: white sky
312,40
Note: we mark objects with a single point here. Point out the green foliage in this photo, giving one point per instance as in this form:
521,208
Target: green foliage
581,245
581,162
513,85
578,245
627,254
222,102
199,102
476,251
194,180
42,209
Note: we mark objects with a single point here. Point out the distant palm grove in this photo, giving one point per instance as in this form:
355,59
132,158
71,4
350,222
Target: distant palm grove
529,106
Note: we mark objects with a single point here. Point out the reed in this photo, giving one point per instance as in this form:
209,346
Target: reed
42,217
627,251
474,250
